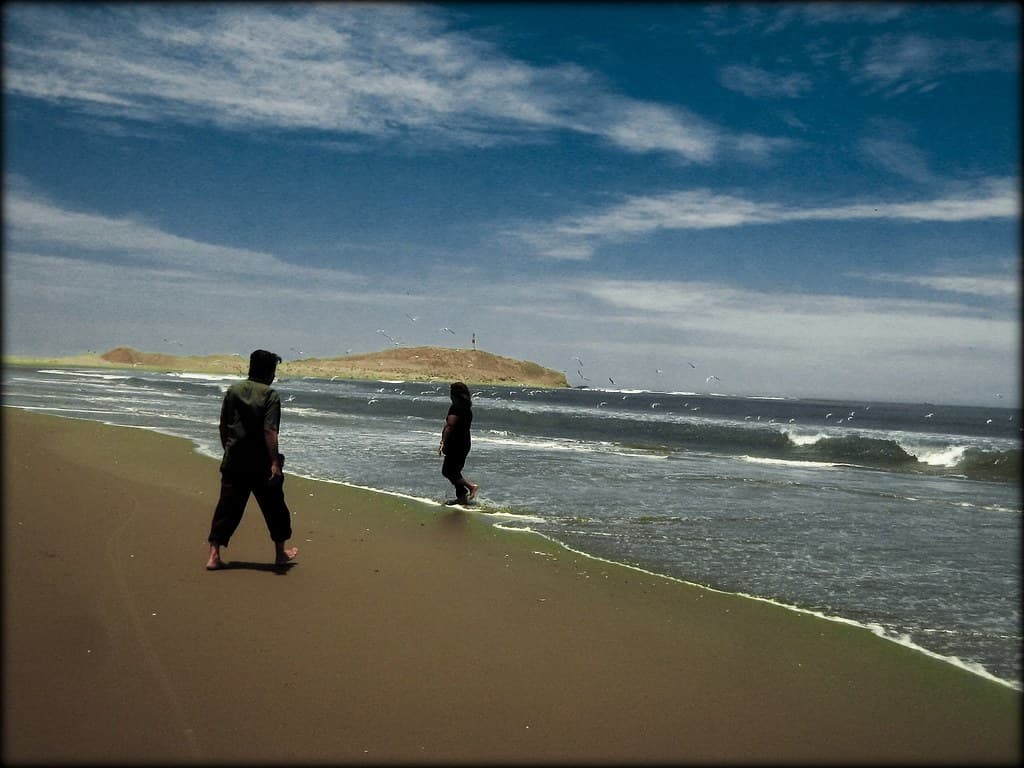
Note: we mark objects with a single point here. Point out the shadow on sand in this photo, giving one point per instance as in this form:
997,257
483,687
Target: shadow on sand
271,567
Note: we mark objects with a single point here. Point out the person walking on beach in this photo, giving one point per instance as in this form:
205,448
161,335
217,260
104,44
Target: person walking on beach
455,442
250,418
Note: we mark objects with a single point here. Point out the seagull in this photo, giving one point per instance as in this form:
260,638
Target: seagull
655,405
446,329
928,415
611,380
658,371
828,415
386,336
690,364
578,360
709,378
411,318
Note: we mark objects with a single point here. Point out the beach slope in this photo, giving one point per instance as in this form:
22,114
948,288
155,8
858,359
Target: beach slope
409,633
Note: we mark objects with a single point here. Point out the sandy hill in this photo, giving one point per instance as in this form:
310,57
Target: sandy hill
472,366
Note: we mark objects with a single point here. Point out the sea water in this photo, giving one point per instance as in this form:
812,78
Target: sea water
904,518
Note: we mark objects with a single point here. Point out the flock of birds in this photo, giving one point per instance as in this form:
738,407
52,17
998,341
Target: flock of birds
658,371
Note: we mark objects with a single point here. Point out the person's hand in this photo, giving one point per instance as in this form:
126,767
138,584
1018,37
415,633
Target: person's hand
440,448
275,473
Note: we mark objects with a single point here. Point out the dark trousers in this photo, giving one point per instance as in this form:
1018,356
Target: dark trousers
234,495
452,469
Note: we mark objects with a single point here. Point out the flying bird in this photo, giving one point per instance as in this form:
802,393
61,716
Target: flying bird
709,379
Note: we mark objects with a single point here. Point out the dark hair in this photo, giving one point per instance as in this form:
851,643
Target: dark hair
461,392
263,365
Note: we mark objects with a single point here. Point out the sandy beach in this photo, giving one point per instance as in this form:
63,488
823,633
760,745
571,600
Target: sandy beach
408,632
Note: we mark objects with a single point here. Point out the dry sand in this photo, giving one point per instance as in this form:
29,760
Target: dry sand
410,633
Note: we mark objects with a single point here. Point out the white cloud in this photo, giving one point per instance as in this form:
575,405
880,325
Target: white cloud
375,71
576,237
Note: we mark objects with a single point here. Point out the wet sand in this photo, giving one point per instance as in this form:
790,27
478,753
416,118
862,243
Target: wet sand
407,632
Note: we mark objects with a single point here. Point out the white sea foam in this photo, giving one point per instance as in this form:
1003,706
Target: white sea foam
788,463
207,376
947,456
88,374
803,438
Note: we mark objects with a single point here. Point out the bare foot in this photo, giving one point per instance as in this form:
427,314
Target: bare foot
472,490
285,556
214,563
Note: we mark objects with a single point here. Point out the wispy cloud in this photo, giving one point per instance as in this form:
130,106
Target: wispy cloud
576,237
898,156
768,19
374,71
35,226
759,83
984,286
849,338
897,63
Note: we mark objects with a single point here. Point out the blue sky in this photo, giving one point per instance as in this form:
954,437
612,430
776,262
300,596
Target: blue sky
813,200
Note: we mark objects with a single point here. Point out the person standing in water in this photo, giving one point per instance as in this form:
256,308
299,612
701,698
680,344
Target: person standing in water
250,418
456,442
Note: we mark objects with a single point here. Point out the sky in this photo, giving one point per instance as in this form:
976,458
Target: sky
815,200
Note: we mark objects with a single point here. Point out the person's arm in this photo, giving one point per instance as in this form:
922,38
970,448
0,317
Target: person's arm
450,422
270,436
271,420
224,423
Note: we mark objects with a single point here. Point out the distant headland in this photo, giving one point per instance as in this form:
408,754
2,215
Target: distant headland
472,366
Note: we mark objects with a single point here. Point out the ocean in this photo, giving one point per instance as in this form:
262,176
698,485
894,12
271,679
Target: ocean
903,518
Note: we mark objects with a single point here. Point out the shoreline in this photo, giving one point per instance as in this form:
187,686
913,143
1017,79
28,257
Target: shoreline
492,518
410,633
